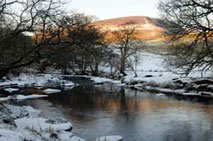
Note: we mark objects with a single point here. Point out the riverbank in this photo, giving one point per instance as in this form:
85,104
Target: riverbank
100,110
154,82
192,87
23,123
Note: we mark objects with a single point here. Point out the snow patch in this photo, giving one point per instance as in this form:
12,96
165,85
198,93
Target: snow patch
110,138
50,91
10,90
101,80
42,124
9,135
36,80
21,97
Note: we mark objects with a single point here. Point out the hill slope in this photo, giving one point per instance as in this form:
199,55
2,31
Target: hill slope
146,28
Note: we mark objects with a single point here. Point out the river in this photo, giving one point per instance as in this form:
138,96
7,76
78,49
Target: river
137,116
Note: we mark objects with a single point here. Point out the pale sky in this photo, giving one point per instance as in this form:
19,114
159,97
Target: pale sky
105,9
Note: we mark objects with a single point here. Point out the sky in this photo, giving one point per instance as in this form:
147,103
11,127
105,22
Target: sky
106,9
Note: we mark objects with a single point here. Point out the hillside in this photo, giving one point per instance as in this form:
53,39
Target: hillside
146,28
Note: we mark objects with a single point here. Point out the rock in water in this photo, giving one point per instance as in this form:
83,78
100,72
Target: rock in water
42,124
10,90
110,138
50,91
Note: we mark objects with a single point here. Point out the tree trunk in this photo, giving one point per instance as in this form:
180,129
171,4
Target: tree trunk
123,65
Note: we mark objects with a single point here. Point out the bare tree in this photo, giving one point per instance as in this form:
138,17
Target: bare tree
88,50
126,44
191,29
27,30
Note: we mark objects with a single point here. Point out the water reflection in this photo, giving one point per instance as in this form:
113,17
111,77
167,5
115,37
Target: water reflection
109,110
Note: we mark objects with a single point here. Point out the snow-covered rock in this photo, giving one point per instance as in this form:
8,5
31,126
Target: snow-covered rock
42,124
10,90
69,136
50,91
110,138
21,97
101,80
9,135
3,99
65,83
13,112
36,80
33,113
23,123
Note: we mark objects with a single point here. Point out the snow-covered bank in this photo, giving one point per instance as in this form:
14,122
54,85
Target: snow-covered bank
186,87
153,76
23,123
101,80
21,97
35,80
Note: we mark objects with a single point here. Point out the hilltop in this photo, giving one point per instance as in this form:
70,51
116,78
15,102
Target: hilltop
146,28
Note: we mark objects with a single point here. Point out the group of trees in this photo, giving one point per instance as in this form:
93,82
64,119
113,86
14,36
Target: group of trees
26,28
41,33
91,50
190,28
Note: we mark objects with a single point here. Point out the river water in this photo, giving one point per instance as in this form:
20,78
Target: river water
137,116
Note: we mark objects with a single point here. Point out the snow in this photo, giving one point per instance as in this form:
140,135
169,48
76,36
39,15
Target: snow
37,80
40,124
3,99
101,80
33,113
23,134
110,138
22,97
10,90
9,135
27,125
50,91
153,64
67,83
13,112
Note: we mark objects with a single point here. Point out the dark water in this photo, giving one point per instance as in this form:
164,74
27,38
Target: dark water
137,116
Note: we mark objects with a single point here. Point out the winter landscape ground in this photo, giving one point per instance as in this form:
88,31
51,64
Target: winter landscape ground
24,122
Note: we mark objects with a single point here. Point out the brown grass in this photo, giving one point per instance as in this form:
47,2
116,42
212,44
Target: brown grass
146,28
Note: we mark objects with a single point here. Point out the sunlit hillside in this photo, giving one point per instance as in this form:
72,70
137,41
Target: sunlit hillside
146,28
